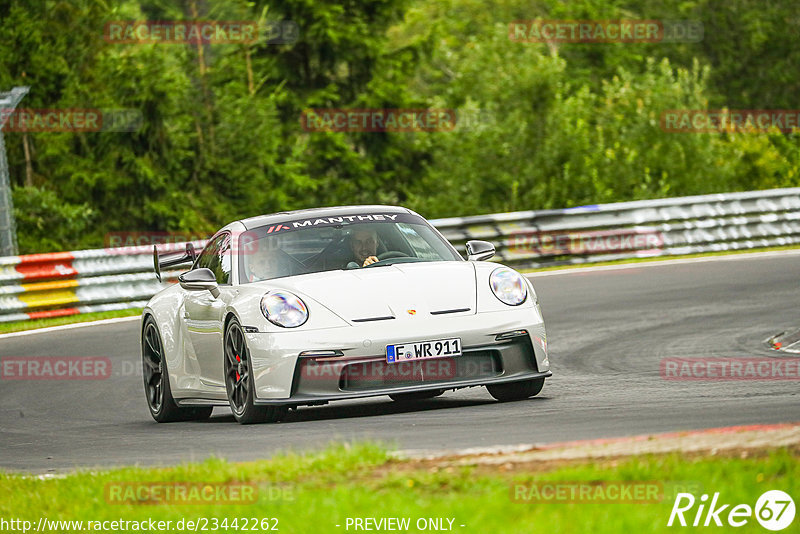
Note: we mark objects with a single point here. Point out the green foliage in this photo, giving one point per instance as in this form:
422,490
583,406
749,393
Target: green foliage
552,125
575,124
49,222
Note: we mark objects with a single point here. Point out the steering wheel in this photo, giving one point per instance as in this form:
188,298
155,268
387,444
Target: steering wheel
389,254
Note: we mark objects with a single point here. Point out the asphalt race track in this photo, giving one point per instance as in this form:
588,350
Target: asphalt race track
608,331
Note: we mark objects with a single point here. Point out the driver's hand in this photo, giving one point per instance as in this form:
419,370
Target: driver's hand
370,261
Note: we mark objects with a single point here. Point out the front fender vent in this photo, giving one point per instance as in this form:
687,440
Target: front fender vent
444,312
371,319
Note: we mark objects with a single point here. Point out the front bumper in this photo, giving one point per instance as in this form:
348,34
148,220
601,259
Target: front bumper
284,376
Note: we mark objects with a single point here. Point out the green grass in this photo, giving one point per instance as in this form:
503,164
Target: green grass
313,493
19,326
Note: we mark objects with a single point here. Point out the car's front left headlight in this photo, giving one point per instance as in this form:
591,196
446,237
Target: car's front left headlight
284,309
508,286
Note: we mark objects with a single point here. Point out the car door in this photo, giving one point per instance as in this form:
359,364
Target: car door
204,315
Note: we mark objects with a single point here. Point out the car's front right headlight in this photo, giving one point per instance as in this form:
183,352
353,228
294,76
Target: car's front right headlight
508,286
284,309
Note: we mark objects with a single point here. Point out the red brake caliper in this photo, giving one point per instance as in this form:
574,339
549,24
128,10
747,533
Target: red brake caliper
237,372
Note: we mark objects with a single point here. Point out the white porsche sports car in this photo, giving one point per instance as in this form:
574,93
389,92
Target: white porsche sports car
306,307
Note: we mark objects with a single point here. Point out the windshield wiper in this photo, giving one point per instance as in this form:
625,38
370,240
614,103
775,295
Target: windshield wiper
392,261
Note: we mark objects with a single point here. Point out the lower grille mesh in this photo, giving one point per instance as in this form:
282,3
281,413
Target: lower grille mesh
377,374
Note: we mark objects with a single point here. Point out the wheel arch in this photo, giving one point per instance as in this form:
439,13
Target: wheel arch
165,309
229,316
146,314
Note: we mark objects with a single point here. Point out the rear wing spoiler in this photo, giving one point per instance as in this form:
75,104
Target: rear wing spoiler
172,259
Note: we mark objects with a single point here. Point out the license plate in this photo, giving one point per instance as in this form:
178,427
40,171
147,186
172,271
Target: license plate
421,350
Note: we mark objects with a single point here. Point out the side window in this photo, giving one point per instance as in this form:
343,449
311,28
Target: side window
217,257
224,261
209,251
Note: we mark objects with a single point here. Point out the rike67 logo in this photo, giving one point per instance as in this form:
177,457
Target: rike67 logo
774,510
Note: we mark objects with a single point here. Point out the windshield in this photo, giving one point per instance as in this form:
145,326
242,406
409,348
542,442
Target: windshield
331,243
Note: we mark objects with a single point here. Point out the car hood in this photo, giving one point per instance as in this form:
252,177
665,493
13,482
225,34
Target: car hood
400,290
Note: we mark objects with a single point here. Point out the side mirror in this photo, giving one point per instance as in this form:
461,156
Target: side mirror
199,280
479,250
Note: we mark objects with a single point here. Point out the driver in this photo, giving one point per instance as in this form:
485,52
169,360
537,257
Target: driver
266,260
259,267
364,246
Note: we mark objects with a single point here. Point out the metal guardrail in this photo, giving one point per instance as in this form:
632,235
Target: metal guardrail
645,228
67,283
8,230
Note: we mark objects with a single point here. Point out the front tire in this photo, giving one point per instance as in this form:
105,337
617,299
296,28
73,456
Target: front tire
239,382
156,381
515,391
